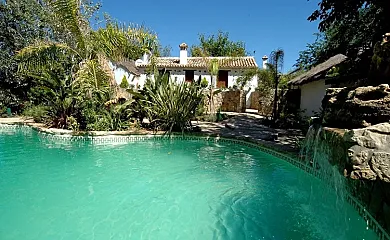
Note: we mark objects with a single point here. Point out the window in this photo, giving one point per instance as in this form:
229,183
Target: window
222,81
189,75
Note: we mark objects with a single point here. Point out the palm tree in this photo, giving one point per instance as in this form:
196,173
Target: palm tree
83,50
276,67
213,68
268,78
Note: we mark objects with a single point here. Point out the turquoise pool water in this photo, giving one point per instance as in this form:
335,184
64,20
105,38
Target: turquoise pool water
161,190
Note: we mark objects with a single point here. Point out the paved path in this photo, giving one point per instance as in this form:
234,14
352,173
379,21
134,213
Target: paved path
247,126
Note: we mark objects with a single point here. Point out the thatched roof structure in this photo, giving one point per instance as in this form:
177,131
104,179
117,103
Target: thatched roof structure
318,72
128,65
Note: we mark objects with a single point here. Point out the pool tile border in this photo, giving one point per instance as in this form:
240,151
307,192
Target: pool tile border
363,212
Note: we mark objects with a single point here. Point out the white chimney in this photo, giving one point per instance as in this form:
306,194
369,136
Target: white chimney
265,61
146,57
183,53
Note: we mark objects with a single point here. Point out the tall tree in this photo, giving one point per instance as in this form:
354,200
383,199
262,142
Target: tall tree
331,11
354,36
276,67
82,56
218,46
270,78
21,22
213,68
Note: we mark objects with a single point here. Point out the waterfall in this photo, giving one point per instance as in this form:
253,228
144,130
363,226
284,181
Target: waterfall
324,153
317,152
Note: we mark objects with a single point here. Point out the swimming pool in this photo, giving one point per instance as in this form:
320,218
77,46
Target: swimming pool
161,189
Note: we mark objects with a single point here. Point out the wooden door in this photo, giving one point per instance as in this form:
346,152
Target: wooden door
189,75
223,77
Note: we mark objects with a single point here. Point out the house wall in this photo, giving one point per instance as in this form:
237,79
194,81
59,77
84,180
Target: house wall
120,72
179,75
311,97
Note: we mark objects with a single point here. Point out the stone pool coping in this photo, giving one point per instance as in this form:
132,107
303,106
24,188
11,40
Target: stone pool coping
144,135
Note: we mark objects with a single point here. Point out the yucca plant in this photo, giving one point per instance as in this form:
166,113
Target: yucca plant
170,106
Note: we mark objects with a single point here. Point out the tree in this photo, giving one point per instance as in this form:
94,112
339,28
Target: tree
213,68
313,54
218,46
352,36
81,58
269,79
21,22
350,27
332,11
276,67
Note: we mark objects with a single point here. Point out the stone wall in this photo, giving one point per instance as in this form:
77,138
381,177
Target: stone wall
233,101
356,108
228,101
363,158
262,101
368,160
254,100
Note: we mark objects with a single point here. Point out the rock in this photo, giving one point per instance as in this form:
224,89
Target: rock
380,162
359,155
356,108
369,155
374,137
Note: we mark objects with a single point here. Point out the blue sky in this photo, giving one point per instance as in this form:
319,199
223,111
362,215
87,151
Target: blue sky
262,25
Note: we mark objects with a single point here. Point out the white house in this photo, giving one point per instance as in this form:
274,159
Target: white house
184,68
313,85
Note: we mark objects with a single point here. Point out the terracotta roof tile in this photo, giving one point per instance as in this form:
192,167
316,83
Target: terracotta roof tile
201,62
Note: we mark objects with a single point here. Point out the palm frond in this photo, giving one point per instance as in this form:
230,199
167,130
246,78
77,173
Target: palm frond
214,67
277,59
111,42
68,14
92,80
41,55
118,42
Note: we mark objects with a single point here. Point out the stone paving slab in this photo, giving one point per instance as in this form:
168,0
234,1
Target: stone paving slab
248,127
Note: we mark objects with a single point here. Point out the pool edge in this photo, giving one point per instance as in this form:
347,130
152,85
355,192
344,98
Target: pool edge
132,137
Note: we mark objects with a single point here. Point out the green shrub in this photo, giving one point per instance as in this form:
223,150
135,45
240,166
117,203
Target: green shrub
72,123
204,83
39,113
171,106
220,116
124,84
3,111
